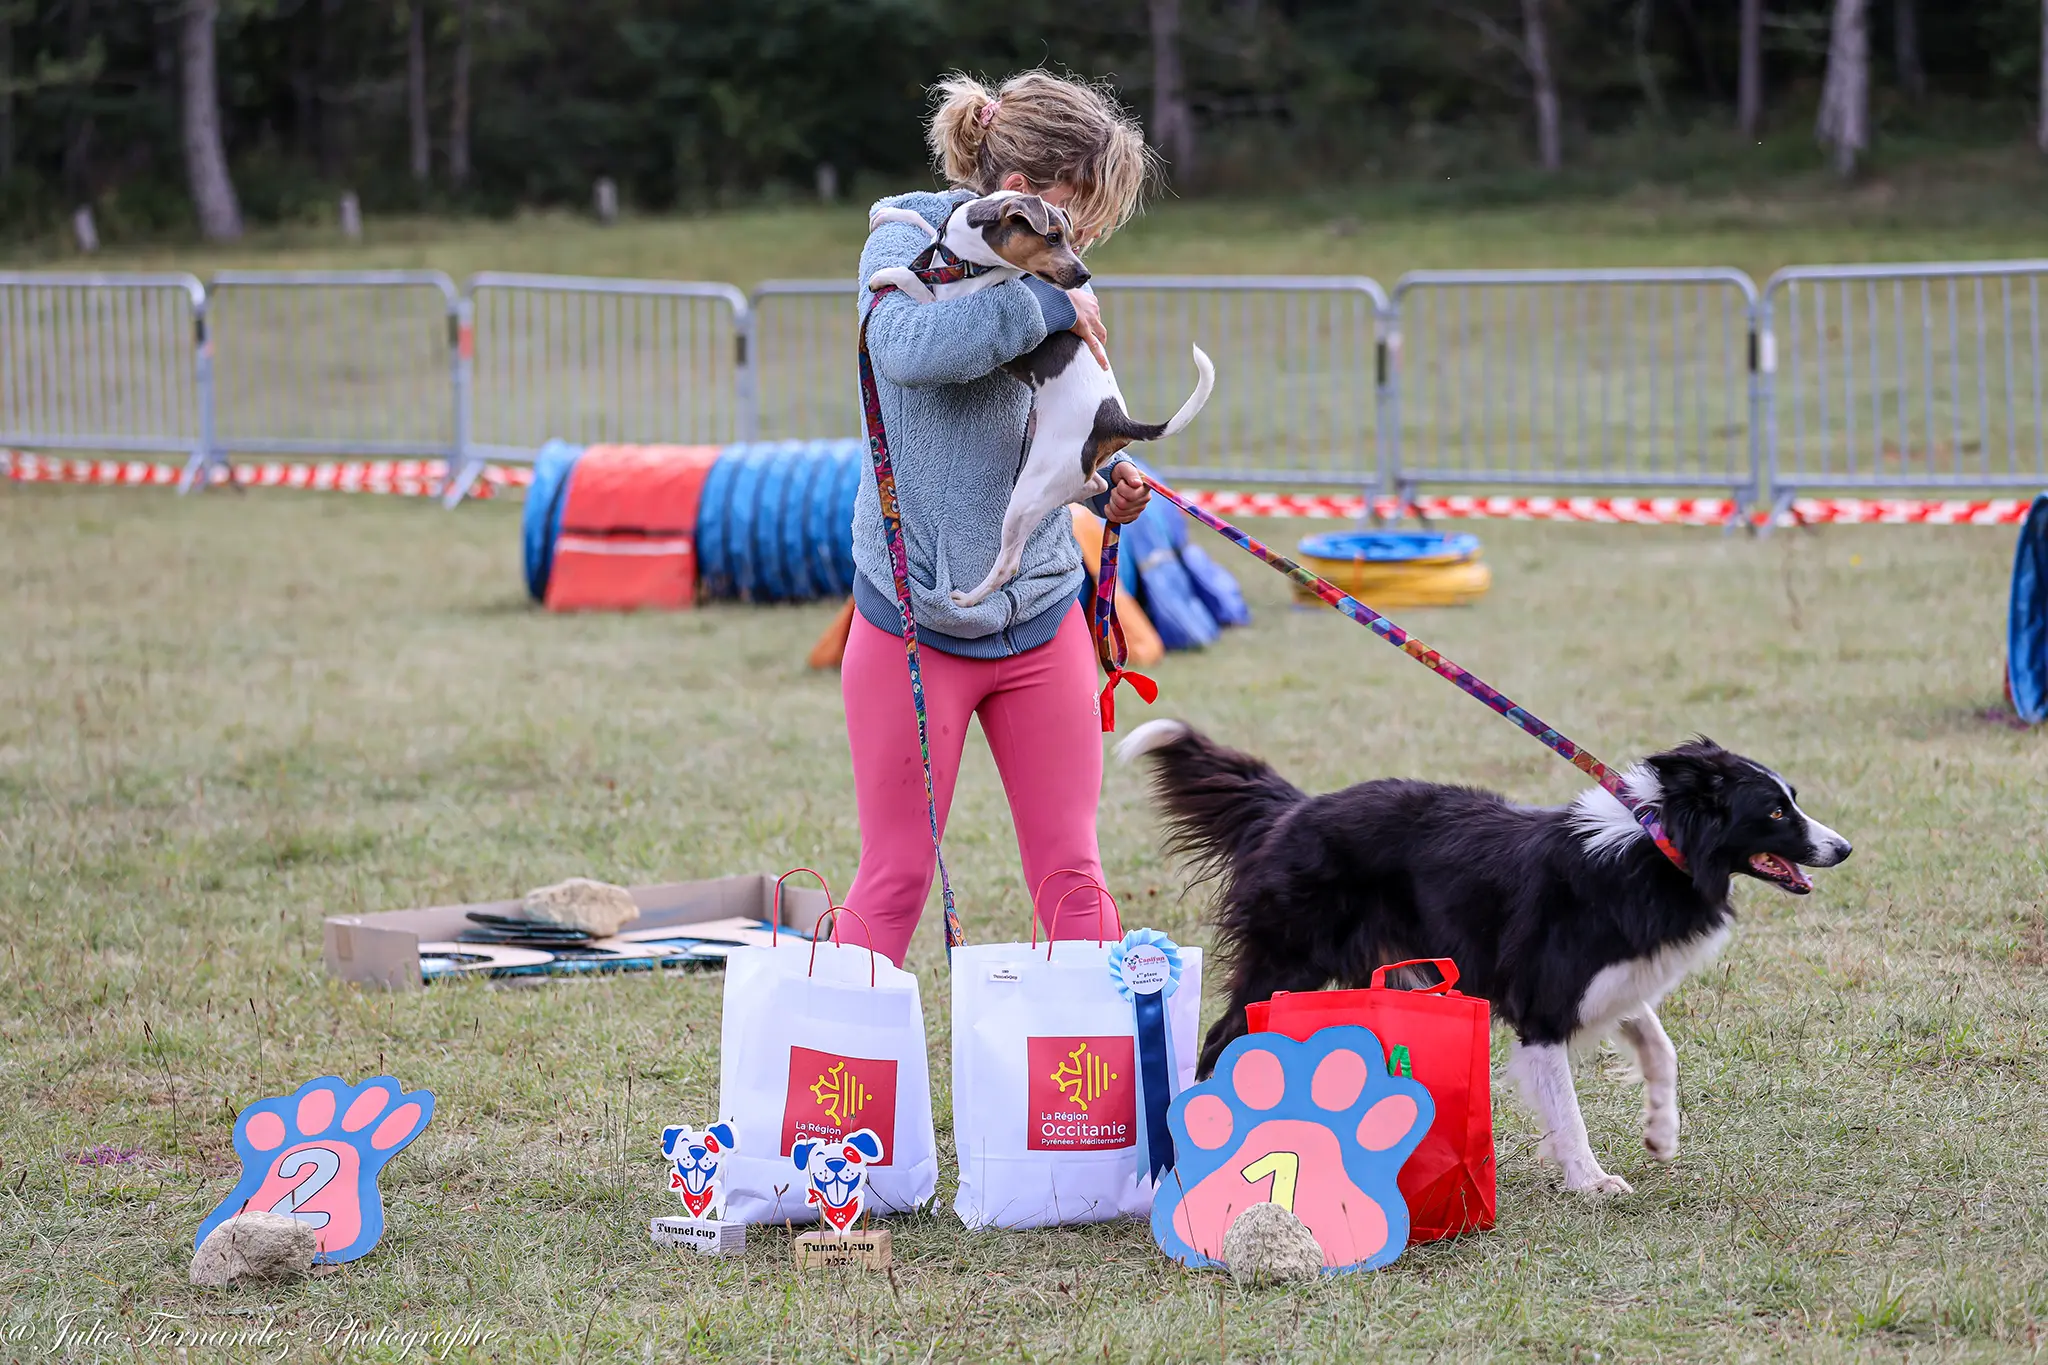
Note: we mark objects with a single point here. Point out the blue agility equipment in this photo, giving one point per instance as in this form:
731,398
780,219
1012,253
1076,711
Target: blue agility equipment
541,521
1217,588
771,574
1188,596
1153,573
1390,547
851,471
714,540
775,524
2026,670
746,496
776,521
794,526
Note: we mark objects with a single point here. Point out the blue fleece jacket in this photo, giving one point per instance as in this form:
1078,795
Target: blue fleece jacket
955,425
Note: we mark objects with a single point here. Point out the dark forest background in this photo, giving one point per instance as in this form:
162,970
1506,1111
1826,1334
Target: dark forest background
171,115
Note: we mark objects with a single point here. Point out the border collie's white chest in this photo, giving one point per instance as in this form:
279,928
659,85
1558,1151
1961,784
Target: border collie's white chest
1622,986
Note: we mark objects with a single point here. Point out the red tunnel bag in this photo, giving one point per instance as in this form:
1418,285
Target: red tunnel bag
629,529
1444,1037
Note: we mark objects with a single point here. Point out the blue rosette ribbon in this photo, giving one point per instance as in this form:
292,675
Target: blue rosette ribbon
1146,969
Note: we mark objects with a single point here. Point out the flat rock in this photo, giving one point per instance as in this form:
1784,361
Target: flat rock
599,907
1267,1242
255,1246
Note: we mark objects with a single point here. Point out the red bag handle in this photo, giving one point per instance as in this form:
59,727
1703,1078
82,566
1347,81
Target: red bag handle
1086,882
775,913
1445,967
834,910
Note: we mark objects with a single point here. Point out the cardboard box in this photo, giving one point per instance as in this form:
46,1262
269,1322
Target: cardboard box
384,950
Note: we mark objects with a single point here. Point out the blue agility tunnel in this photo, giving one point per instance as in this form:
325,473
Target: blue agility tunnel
541,522
775,524
2026,668
774,520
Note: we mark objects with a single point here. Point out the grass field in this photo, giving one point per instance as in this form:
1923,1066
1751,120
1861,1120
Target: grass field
224,717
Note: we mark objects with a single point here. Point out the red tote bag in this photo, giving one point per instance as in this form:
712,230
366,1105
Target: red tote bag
1443,1037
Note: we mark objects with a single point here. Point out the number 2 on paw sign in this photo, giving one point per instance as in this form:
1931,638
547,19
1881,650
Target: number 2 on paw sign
315,1155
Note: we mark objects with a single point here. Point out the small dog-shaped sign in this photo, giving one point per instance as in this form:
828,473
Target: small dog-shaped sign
837,1174
694,1176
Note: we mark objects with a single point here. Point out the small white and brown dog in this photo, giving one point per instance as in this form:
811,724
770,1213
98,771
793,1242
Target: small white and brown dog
1078,419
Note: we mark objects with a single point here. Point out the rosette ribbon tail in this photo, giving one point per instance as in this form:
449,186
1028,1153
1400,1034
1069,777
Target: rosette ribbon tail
1155,1082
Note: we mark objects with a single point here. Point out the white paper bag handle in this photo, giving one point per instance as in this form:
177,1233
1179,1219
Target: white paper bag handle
834,910
1052,925
775,915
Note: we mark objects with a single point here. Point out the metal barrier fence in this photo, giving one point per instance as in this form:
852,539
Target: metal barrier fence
583,360
1288,350
115,363
1640,378
311,362
1896,376
1295,356
1832,377
805,333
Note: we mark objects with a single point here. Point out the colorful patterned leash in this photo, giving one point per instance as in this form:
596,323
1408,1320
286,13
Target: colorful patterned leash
1109,634
1438,664
934,265
899,566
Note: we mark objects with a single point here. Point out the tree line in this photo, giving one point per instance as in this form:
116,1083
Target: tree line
162,113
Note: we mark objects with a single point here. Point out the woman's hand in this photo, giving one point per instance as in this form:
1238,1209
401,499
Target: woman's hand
1128,494
1088,324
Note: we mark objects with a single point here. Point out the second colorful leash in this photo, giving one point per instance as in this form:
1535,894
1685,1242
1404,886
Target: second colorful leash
1109,634
1545,734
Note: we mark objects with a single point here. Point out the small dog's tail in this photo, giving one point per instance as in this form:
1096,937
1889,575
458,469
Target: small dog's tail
1205,381
1121,423
1220,804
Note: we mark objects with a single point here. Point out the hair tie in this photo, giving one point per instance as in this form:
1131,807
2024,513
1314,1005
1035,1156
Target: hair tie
988,111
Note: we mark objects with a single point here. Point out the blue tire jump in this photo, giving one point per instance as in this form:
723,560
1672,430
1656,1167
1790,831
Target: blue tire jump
2026,670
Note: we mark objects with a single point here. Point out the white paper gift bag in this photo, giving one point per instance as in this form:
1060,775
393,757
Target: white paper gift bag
1048,1110
820,1041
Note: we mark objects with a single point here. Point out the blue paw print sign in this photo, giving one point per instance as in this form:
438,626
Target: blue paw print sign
1317,1127
315,1155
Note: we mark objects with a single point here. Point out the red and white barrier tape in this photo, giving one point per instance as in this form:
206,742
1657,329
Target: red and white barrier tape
405,478
1644,511
422,478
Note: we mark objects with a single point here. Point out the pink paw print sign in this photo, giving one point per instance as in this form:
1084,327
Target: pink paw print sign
315,1155
1318,1128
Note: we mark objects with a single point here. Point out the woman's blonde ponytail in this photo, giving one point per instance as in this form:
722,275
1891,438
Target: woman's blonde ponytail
960,127
1052,130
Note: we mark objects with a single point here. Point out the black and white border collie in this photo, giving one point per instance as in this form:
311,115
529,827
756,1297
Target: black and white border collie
1569,920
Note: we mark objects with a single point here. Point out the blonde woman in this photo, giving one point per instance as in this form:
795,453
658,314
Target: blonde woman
1021,660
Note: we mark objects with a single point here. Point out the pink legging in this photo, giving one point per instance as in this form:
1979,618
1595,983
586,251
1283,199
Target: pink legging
1038,710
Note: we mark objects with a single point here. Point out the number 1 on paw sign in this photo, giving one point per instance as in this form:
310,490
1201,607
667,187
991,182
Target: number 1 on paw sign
1318,1128
315,1155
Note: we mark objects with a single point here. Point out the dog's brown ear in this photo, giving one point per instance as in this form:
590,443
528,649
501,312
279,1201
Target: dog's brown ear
983,212
1033,210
